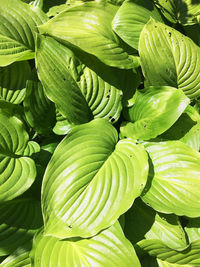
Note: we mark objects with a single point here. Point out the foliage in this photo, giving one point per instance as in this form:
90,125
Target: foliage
99,133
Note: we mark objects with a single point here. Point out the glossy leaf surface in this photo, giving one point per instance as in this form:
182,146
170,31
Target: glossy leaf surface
94,175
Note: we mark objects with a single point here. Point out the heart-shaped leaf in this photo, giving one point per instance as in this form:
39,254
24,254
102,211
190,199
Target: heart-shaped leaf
169,58
88,176
17,170
174,182
88,26
110,248
18,27
78,92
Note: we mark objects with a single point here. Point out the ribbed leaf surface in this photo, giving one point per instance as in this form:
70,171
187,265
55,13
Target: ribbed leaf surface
19,221
39,110
155,110
17,172
88,26
78,92
184,11
131,18
169,58
13,81
157,249
144,222
110,248
18,26
174,182
88,176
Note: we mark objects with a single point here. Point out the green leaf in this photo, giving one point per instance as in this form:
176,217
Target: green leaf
89,175
155,110
185,12
167,264
157,249
88,26
13,82
193,31
39,110
169,58
19,221
131,18
144,222
18,27
78,92
17,171
173,185
193,229
18,258
62,125
109,248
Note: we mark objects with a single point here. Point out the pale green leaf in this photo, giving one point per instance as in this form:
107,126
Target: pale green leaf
169,58
18,27
109,248
88,26
167,264
78,92
17,172
144,222
13,81
193,229
174,181
155,110
131,18
19,221
62,125
157,249
89,175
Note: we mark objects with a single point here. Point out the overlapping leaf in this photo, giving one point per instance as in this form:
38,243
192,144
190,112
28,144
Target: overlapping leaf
13,81
174,182
39,110
185,12
131,18
88,26
17,171
78,92
18,24
154,111
110,248
157,249
19,221
91,180
153,225
169,58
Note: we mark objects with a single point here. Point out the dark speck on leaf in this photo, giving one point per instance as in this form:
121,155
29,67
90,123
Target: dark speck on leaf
108,96
70,226
170,34
145,126
112,120
64,79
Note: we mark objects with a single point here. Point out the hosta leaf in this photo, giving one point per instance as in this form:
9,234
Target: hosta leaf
174,183
88,26
18,24
157,249
154,111
131,18
193,31
13,82
19,221
39,110
19,258
193,229
109,248
167,264
78,92
17,171
89,175
185,12
153,225
62,125
169,58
